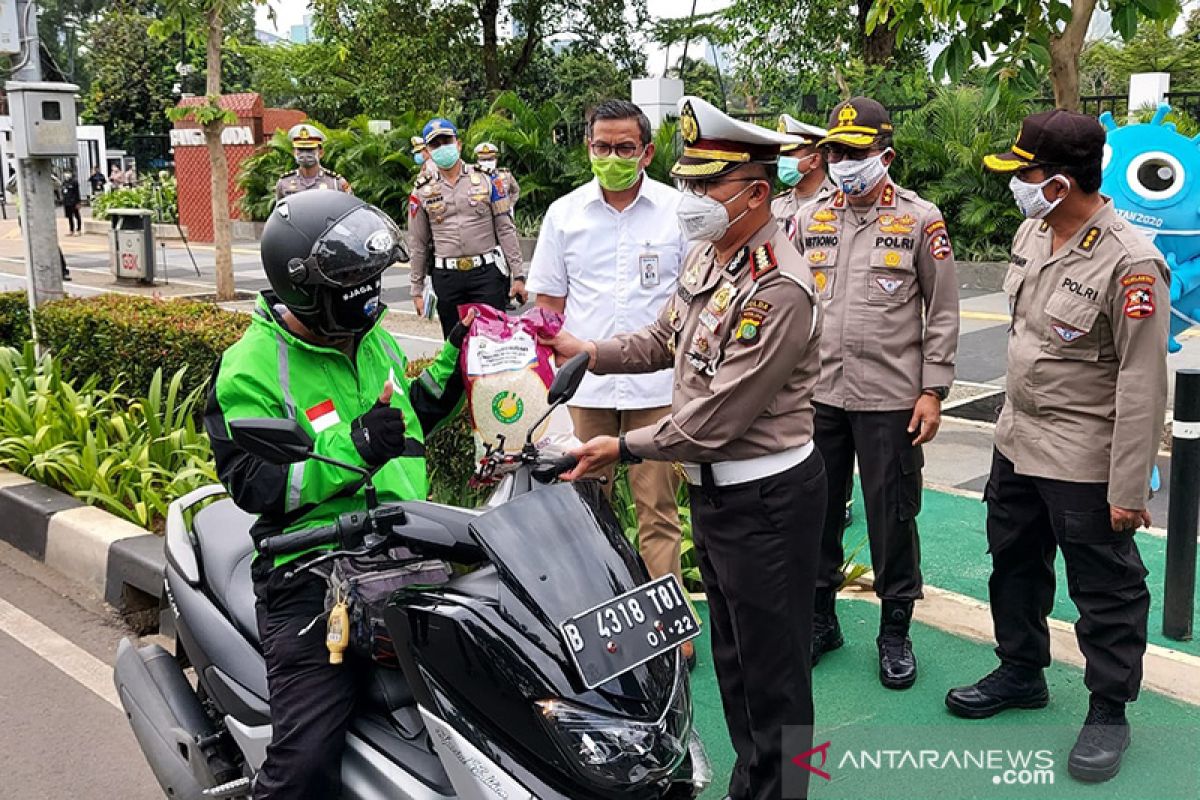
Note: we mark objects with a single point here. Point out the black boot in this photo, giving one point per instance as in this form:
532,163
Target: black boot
1097,753
897,663
1007,686
827,632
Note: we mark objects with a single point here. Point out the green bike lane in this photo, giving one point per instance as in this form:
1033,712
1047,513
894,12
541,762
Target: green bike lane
856,714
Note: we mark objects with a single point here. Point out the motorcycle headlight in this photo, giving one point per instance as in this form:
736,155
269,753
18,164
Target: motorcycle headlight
619,752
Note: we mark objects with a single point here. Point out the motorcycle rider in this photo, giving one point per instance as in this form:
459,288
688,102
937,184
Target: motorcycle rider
316,353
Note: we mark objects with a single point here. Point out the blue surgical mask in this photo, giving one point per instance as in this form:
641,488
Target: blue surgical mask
789,170
419,158
445,156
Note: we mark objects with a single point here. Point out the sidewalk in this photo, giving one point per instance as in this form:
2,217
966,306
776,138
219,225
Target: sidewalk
1163,762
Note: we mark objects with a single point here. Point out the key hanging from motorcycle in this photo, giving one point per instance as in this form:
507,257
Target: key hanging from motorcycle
337,636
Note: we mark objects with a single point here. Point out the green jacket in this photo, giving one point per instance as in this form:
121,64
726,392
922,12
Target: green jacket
269,372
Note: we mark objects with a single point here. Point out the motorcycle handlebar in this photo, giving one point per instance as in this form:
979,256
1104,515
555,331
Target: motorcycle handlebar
299,540
548,468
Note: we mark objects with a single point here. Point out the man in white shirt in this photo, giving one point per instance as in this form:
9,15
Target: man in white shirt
608,257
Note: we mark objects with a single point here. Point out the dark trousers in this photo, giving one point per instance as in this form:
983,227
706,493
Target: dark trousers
757,544
487,285
1027,519
311,699
890,470
73,219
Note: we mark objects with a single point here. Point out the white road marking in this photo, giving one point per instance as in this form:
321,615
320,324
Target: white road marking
81,666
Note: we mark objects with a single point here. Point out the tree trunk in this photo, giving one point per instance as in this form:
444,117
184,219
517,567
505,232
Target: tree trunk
877,46
218,166
489,11
1064,55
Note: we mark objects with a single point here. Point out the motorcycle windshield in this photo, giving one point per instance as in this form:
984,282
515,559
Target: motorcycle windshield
558,552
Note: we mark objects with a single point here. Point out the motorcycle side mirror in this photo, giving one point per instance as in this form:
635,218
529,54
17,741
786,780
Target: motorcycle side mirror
567,381
277,441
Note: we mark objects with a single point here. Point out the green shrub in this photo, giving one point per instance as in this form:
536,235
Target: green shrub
126,340
162,199
128,454
14,319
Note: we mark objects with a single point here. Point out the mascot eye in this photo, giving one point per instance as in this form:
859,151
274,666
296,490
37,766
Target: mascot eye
1155,176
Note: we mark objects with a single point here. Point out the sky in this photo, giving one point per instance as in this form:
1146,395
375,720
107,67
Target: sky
291,12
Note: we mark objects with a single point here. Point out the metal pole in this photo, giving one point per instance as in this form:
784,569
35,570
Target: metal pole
1183,516
34,185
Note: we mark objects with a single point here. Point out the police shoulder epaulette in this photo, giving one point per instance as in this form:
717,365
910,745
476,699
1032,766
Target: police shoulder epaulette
784,193
421,180
331,174
1045,226
1090,237
763,261
291,174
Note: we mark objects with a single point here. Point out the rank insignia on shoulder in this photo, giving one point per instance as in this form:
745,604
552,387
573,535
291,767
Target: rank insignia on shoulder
763,261
1089,239
1045,226
839,199
888,198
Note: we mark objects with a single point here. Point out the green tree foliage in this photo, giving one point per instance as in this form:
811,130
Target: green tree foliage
311,77
940,149
131,75
1021,39
1105,66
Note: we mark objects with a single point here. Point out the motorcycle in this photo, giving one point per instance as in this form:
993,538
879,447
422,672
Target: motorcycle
546,667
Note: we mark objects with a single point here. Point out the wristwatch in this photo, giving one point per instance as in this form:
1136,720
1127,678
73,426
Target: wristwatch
940,392
626,457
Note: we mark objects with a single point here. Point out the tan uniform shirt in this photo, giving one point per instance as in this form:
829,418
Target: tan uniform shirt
1087,356
890,293
743,341
293,182
470,217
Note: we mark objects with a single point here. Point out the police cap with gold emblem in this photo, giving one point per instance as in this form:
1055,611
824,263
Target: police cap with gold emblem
1052,137
715,143
306,136
857,122
418,144
809,134
486,150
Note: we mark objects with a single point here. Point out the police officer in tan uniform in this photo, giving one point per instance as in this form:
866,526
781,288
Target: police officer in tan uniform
1075,444
882,261
461,227
307,147
801,169
487,157
741,333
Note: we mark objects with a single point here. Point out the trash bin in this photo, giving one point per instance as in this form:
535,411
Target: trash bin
131,244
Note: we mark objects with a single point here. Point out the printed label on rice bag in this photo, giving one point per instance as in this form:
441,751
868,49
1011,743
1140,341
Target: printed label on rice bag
487,356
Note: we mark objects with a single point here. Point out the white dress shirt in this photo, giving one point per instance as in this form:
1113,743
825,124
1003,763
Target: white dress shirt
593,255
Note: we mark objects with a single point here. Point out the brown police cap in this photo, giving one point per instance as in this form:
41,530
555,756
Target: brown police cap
857,122
1052,137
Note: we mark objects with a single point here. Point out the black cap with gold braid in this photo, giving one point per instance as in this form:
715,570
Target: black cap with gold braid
857,123
715,143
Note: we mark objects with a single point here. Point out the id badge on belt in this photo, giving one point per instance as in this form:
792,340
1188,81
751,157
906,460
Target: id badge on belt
648,267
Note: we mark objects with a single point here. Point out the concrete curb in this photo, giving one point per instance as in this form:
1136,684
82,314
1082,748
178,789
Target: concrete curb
112,558
1165,671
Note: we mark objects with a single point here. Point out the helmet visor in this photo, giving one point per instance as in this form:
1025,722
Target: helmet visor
354,249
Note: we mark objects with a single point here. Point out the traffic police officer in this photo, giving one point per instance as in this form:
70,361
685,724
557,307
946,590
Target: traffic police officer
801,169
461,225
1076,440
742,335
486,155
420,153
882,261
307,147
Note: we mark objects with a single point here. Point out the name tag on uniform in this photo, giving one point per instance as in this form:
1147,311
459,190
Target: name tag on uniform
648,267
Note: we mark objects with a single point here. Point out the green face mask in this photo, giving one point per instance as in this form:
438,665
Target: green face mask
615,173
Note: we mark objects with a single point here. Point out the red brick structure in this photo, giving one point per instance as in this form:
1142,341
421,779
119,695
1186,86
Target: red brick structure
255,125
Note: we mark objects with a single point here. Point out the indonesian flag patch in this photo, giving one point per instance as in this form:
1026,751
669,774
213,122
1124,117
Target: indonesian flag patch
322,416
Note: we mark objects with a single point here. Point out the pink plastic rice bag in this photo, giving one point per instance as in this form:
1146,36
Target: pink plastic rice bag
507,373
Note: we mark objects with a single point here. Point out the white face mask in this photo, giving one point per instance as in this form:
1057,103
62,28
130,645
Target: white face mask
858,177
1031,200
705,219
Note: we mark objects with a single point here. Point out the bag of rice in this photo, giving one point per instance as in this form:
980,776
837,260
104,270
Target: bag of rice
507,374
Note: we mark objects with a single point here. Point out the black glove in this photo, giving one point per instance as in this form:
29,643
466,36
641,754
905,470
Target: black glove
457,334
378,435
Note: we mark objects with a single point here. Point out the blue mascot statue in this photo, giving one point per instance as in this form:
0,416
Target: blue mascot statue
1152,174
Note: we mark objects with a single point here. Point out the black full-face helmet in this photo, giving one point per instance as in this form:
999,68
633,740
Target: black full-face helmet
324,253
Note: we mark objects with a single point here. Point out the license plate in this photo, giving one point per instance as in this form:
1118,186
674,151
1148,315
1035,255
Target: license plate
623,633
